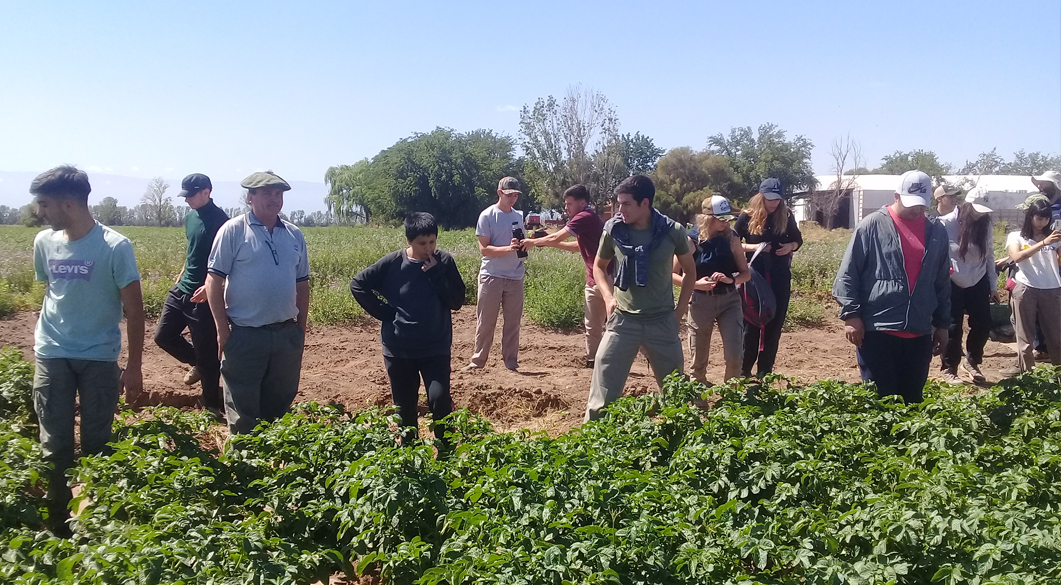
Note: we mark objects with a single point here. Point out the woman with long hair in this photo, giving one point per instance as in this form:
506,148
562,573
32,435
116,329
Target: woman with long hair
1037,294
768,221
720,267
972,285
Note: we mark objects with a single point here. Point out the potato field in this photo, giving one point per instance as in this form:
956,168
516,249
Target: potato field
742,484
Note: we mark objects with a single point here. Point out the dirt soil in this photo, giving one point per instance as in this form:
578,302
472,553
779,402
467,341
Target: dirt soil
344,364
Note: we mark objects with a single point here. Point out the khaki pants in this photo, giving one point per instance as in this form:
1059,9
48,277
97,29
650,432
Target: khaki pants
624,335
596,315
1030,304
504,295
705,310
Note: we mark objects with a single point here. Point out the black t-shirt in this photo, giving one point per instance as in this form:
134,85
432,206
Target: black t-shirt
713,255
769,261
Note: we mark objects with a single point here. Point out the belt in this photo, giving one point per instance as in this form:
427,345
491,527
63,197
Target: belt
270,326
717,291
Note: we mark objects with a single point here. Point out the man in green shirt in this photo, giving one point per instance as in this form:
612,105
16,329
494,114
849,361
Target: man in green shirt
640,305
186,304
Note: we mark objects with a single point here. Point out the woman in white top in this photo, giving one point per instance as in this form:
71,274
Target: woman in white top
972,284
1037,295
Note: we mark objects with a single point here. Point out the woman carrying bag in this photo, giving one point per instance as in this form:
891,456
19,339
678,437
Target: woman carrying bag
720,267
768,221
1037,293
972,285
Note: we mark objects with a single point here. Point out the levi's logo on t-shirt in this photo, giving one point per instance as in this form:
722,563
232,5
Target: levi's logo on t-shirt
71,269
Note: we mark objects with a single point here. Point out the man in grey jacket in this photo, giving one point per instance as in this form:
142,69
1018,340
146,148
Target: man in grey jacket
894,291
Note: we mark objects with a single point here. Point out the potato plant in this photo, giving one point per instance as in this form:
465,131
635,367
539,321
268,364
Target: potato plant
775,483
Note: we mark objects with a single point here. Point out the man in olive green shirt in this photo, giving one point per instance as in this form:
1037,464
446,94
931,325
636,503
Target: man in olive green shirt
186,304
640,305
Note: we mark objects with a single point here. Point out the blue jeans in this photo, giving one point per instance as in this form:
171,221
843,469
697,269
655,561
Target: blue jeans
56,384
897,365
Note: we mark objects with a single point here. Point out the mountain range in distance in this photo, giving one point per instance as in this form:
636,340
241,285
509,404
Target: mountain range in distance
304,195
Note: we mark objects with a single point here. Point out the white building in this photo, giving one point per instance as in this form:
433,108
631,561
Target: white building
864,193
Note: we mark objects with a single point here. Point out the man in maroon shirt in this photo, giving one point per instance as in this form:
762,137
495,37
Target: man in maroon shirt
586,226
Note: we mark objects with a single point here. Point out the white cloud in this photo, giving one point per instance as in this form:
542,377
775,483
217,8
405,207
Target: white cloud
507,108
134,169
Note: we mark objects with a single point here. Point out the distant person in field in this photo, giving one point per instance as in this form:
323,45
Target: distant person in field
894,291
973,284
767,220
640,305
720,268
946,197
91,281
186,305
1037,294
420,286
257,284
586,227
500,277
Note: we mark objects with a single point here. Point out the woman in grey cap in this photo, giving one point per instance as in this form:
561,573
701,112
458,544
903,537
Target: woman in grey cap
768,221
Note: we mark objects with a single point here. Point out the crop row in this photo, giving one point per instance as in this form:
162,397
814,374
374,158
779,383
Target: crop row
774,483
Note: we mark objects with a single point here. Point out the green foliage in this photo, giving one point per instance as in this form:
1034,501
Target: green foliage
1023,163
755,156
576,141
774,484
684,178
450,175
899,162
555,288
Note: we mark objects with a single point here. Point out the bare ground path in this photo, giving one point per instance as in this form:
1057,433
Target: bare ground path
344,364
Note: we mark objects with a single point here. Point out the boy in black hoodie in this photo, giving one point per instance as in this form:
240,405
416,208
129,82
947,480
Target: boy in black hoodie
419,286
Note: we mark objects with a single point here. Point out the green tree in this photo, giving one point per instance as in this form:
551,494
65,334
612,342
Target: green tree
27,215
159,206
1023,163
899,162
684,178
755,156
451,175
640,153
349,189
575,140
108,212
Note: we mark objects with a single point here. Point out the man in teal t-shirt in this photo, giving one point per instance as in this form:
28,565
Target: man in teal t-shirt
92,280
186,305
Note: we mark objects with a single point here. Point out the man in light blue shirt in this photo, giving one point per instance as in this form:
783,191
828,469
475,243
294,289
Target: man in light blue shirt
500,277
257,286
92,281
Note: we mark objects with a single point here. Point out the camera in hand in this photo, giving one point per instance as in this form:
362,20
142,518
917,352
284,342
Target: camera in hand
517,232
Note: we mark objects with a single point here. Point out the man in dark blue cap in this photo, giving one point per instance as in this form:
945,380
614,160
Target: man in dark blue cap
186,305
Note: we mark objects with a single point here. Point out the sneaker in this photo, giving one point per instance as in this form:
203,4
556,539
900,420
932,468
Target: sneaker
471,368
974,371
192,376
950,377
1010,371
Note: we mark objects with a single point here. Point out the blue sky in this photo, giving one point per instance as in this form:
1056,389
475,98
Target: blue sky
225,88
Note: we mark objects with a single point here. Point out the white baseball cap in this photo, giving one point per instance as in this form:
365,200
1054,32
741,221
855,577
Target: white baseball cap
977,196
914,188
718,206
